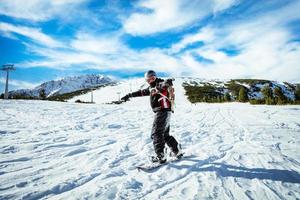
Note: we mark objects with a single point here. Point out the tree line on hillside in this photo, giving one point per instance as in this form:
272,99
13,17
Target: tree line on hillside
239,93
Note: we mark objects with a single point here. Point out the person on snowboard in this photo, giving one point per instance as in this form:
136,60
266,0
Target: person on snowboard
161,106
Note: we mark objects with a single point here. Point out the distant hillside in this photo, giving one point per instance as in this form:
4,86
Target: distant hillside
243,90
78,89
62,89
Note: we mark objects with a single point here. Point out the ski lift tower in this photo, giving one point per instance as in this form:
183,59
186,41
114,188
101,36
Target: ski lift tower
119,96
92,96
7,68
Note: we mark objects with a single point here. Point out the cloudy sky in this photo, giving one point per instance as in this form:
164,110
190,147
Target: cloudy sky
221,39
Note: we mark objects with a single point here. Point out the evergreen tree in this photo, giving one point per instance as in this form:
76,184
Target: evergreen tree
243,96
267,92
270,101
227,97
280,98
297,92
42,94
268,95
222,99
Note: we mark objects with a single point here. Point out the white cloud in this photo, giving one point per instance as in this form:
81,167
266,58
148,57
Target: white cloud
59,59
204,35
33,33
170,14
37,10
220,5
267,51
17,84
91,52
104,44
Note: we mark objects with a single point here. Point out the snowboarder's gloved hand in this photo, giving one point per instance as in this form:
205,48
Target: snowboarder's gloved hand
125,98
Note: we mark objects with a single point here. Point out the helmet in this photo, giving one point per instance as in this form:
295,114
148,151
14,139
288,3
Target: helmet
149,74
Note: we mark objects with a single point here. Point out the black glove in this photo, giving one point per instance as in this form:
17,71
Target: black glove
125,98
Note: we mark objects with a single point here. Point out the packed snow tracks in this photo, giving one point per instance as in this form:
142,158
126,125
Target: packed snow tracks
65,151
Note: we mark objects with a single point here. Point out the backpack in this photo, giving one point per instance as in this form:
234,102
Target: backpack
171,93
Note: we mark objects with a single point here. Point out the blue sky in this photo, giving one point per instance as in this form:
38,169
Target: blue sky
222,39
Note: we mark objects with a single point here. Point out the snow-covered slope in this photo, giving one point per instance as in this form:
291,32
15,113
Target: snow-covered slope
113,92
65,85
53,150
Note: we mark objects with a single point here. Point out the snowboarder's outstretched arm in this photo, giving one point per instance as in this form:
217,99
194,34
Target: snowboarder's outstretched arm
139,93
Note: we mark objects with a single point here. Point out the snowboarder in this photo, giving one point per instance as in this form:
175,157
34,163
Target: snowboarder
162,107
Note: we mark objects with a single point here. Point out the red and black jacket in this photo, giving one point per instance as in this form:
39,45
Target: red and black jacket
158,91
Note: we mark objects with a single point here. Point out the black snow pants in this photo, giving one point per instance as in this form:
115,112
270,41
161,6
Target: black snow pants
160,133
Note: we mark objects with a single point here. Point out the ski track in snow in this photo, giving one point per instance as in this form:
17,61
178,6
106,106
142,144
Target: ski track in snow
53,150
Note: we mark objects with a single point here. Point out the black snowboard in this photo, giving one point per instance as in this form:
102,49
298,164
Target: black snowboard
148,167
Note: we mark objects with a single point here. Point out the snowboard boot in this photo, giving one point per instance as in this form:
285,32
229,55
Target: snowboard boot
177,154
160,158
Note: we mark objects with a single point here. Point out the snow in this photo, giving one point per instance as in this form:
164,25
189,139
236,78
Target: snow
55,150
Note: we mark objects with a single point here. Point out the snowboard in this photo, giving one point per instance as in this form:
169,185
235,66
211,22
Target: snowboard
152,166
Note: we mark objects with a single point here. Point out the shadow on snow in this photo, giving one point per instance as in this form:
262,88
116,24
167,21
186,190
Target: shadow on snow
226,170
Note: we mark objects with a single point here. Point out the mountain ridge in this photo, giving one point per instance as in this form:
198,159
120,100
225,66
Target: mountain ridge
62,86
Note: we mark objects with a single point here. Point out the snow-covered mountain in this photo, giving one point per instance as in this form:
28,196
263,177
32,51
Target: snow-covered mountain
65,85
90,151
